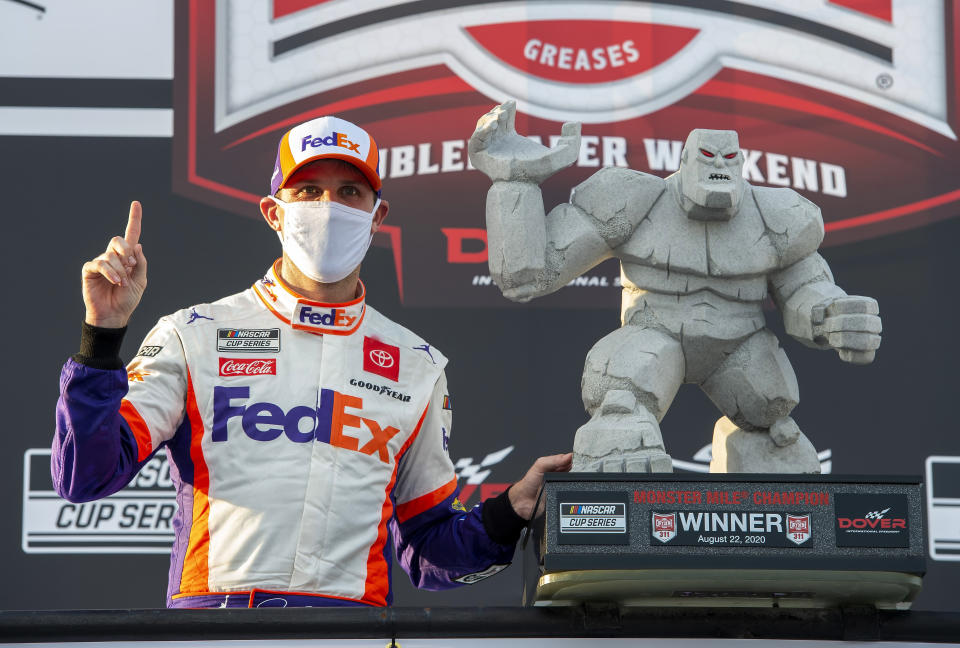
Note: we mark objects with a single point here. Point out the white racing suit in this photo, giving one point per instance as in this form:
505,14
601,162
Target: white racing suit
298,434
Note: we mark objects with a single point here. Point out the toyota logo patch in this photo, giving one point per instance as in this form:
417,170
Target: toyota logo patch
381,358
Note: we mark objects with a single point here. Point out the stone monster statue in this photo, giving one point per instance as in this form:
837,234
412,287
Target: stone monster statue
699,253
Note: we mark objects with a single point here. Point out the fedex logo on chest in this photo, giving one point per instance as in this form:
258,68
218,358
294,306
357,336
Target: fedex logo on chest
336,420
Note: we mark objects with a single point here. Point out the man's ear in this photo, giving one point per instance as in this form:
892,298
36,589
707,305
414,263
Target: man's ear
271,213
380,216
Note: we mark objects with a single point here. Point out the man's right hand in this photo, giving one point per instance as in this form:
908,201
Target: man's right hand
113,283
523,494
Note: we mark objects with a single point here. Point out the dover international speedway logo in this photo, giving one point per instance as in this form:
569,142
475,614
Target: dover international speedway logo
852,104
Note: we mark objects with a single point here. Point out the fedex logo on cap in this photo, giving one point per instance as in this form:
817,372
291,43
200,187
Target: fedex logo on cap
336,139
337,419
327,137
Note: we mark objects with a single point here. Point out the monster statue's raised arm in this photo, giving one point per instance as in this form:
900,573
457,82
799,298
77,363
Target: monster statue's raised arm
531,254
699,252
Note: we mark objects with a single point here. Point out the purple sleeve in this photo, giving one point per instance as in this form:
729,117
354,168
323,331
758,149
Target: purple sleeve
94,451
445,547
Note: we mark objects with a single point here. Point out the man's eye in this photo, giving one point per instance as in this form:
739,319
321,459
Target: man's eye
706,152
349,190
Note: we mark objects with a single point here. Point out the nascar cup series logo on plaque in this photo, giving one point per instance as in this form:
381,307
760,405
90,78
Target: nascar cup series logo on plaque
849,103
593,518
603,517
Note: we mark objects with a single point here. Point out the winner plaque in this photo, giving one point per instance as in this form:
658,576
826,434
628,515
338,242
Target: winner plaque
727,540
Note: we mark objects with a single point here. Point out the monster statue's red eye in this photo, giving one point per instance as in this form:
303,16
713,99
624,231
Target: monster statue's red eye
729,156
706,152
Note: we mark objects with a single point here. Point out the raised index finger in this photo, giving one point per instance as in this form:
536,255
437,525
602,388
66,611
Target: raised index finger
132,234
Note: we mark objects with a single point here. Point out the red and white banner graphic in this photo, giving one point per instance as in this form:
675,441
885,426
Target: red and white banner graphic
854,104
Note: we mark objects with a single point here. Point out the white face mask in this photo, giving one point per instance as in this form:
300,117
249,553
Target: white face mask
325,240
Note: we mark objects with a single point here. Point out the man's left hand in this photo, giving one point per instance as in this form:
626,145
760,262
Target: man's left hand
523,494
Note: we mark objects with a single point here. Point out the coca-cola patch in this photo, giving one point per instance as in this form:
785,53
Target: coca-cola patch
248,366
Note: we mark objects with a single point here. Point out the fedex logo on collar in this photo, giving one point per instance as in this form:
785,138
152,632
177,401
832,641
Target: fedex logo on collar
330,422
324,317
336,139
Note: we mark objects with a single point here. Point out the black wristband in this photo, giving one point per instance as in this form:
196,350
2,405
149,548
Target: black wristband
100,347
500,521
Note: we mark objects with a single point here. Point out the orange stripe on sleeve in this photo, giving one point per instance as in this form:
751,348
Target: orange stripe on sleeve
139,428
420,504
196,565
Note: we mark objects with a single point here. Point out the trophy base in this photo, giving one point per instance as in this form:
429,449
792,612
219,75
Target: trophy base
727,540
723,588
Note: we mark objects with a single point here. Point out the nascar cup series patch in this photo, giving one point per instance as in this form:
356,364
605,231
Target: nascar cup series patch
249,340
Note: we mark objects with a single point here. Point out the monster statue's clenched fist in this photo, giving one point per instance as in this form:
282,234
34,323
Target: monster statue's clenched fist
699,252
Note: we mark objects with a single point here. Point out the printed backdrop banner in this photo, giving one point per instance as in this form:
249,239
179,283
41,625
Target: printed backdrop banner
180,103
849,103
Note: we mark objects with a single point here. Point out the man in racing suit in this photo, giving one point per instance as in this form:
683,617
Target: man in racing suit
301,425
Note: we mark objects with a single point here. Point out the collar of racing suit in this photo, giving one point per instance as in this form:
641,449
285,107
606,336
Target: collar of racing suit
307,315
